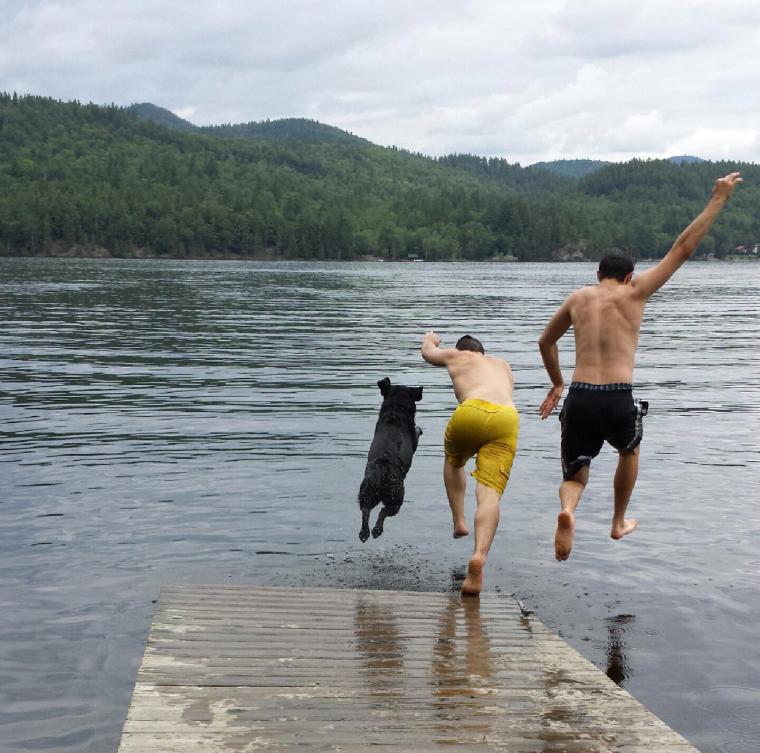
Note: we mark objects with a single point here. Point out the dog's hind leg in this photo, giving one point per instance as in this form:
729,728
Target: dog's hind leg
378,529
390,508
364,531
368,499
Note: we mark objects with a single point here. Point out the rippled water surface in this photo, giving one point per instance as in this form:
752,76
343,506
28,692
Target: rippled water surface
180,422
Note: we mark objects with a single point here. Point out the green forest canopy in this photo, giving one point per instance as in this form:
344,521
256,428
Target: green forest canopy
84,177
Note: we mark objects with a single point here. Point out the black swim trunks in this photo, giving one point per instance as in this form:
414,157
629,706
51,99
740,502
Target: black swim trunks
595,413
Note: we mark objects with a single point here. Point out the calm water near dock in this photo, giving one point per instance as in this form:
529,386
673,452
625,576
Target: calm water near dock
186,422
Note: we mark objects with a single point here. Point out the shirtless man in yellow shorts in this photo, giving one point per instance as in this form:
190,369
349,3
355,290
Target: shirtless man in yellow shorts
484,424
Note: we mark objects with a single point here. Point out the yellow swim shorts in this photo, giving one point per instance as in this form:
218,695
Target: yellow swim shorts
488,429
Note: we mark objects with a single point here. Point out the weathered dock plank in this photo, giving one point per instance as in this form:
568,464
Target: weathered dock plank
246,669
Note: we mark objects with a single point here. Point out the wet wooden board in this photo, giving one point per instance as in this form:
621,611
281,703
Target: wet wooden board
275,669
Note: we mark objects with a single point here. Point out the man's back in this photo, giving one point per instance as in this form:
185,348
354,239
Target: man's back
475,375
606,319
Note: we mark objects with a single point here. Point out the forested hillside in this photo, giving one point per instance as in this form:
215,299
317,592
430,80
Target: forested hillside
84,179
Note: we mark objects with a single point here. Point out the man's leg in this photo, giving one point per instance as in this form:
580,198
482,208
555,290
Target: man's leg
486,523
455,481
569,496
625,479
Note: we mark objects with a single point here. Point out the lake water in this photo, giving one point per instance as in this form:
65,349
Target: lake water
188,422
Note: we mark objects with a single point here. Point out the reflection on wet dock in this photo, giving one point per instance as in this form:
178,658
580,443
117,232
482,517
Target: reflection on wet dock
244,669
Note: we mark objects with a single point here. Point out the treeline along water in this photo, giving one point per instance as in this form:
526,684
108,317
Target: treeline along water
209,422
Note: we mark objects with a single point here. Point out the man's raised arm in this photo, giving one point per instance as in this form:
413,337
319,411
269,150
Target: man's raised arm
686,243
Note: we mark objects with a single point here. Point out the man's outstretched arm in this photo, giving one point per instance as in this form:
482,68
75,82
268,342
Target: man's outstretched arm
547,344
686,243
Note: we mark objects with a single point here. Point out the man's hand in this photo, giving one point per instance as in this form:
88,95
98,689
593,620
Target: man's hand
431,352
432,338
550,403
724,187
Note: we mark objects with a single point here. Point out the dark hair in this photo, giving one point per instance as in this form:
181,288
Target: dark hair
616,265
468,342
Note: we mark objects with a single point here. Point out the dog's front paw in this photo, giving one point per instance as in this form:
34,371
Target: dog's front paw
364,534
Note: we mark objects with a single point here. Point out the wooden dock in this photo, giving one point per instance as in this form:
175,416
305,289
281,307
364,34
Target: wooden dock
276,669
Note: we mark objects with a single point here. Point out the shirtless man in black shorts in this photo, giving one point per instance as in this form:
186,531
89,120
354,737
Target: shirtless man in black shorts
599,407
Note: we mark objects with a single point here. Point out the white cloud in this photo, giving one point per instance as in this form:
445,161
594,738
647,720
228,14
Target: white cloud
185,112
721,143
524,79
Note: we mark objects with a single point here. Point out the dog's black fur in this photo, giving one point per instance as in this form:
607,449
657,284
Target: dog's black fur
390,454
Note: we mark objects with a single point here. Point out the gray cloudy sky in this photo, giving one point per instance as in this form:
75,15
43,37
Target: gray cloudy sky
527,80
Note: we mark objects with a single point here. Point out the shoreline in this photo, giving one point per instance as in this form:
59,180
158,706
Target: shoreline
137,253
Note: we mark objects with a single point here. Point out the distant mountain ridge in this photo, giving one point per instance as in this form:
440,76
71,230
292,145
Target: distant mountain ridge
685,159
571,168
161,116
312,131
282,129
579,168
285,129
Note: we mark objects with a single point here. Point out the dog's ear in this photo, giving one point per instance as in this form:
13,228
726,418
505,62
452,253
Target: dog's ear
417,392
384,385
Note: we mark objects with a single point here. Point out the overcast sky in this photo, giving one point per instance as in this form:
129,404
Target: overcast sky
524,80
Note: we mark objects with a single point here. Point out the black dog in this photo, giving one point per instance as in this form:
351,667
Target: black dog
390,454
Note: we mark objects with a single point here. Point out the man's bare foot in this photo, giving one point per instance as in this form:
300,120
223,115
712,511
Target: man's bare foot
473,583
619,531
461,529
563,538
